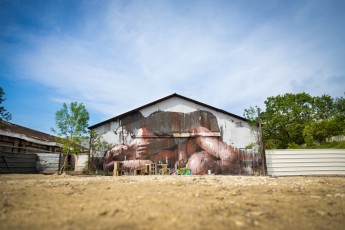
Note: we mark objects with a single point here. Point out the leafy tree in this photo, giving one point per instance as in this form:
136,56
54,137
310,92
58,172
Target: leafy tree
318,131
293,119
4,115
72,123
324,108
285,118
251,115
99,146
340,115
329,120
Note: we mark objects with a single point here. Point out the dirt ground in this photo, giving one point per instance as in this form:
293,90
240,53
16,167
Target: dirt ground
171,202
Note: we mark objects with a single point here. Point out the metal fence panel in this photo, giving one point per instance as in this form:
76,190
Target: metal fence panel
305,162
17,163
47,162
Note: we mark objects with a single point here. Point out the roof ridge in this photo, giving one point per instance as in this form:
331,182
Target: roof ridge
163,99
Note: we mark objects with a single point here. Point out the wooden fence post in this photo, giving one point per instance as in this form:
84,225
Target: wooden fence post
262,145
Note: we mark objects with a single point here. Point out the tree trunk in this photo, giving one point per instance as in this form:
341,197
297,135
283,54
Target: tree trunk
65,161
64,164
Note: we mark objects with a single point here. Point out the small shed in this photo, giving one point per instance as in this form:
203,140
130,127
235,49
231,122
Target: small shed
19,139
24,150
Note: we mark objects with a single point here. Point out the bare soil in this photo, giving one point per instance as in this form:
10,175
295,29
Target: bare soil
171,202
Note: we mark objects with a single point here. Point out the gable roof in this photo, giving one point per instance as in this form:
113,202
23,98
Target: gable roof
163,99
31,135
7,127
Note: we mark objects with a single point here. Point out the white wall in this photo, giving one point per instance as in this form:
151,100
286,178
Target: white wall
236,132
81,162
233,135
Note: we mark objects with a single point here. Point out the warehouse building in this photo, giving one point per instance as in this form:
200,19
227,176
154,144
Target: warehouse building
178,132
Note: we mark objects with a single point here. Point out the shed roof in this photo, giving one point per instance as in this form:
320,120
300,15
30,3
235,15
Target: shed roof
18,131
163,99
31,133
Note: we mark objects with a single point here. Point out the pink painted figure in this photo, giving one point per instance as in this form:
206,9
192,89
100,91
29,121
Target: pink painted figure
202,153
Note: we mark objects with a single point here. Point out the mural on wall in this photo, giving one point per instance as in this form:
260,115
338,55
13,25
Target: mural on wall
192,140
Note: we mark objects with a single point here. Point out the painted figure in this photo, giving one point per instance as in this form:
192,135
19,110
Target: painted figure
158,138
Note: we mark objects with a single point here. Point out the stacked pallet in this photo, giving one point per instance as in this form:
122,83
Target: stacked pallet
118,169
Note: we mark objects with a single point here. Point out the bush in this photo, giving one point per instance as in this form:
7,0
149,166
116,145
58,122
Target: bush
293,145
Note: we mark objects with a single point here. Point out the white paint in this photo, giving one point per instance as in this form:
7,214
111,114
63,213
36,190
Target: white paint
109,135
238,137
81,162
174,104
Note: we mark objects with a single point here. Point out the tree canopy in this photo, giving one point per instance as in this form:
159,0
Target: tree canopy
295,119
72,124
4,115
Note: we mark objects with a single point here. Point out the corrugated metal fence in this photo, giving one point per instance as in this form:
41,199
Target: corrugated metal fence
48,162
17,163
29,162
305,162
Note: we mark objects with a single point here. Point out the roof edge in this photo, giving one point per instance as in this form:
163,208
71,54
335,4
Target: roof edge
163,99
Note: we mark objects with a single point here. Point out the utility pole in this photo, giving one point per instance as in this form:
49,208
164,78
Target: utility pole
89,154
262,145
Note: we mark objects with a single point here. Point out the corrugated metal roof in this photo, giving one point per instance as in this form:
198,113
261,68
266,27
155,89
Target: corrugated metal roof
8,129
14,128
163,99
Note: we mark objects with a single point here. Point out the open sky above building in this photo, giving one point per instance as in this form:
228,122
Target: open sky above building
115,56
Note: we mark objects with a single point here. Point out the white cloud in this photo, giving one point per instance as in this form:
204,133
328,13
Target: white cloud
128,55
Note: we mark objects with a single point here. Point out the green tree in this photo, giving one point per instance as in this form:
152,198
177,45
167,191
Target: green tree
285,118
4,115
340,115
72,124
319,131
98,146
324,107
251,115
329,120
293,119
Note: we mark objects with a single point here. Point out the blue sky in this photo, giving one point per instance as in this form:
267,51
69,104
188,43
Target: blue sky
114,56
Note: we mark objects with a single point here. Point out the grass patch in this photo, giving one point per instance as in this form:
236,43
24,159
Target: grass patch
332,145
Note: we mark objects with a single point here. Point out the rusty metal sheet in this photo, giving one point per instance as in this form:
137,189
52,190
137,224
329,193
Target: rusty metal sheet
181,139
